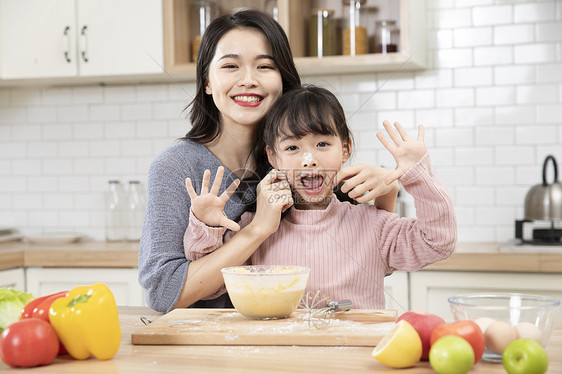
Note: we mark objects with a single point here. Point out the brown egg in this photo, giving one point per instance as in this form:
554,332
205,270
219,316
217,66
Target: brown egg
527,330
498,335
484,322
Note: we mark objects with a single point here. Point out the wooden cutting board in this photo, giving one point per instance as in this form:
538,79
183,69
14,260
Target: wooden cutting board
356,327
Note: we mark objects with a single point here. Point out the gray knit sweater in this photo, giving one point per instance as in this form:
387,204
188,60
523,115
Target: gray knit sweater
162,262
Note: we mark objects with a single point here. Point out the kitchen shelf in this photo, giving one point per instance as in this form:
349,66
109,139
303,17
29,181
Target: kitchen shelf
293,17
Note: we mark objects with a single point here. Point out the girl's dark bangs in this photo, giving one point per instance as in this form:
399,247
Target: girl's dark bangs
308,114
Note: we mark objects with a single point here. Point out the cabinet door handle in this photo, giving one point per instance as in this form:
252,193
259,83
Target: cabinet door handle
84,43
66,39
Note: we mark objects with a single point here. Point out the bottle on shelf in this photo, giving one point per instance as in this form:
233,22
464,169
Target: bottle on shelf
272,9
136,206
322,33
202,13
354,39
387,35
114,222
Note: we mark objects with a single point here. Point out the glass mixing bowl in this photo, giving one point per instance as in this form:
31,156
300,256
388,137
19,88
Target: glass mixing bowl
512,308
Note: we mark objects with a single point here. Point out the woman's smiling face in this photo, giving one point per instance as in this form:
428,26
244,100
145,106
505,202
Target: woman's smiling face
311,164
243,77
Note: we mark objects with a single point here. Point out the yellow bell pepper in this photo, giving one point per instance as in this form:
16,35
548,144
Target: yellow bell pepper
87,322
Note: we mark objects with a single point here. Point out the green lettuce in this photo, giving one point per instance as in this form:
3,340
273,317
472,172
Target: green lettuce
11,304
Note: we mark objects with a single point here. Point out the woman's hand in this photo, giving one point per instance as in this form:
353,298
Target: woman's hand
208,207
406,152
274,197
365,182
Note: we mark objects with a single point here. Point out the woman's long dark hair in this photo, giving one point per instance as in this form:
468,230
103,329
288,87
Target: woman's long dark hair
204,114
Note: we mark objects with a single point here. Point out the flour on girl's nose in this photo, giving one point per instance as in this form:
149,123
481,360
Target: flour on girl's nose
307,158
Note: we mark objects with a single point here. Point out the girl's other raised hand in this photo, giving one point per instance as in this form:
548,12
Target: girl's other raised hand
208,206
406,151
364,183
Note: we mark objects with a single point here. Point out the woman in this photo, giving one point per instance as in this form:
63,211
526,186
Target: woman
244,64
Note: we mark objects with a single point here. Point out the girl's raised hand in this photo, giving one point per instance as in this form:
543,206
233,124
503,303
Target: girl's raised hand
406,151
208,207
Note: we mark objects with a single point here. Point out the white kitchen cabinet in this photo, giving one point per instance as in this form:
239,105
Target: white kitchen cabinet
64,38
429,290
396,291
122,282
13,278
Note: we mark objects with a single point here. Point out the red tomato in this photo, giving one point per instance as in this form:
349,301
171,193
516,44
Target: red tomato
29,342
468,330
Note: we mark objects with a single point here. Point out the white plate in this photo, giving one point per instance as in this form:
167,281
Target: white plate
53,238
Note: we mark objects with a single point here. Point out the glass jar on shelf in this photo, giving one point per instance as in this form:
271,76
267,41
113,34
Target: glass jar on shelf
322,33
387,36
202,13
355,39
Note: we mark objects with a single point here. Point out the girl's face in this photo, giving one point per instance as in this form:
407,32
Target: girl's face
311,164
243,78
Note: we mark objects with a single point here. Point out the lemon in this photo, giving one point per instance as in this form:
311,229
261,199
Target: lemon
400,348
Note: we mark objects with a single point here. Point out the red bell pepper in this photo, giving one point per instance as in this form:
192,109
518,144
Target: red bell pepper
27,311
39,308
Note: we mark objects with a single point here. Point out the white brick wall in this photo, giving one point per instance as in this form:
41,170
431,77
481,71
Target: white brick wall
491,102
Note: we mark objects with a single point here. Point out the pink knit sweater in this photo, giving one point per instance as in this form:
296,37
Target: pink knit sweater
350,248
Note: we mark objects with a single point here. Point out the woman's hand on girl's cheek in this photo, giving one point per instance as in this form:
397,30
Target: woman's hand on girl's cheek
364,183
274,197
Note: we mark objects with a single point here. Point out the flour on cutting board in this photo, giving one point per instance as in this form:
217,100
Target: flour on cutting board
227,327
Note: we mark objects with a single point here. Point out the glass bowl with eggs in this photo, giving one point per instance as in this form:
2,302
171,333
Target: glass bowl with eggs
265,291
504,317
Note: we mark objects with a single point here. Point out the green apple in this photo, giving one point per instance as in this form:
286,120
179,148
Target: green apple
451,354
525,356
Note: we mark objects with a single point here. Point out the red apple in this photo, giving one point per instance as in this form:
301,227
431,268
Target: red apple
424,323
466,329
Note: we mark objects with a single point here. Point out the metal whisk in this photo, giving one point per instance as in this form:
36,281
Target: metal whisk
321,309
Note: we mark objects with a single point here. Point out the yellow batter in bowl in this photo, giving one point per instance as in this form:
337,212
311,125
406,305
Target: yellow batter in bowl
265,291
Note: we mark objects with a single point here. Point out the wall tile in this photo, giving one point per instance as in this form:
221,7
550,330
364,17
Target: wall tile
455,97
537,94
542,11
450,18
416,99
120,94
495,96
493,56
495,176
514,74
514,34
492,15
472,116
534,53
472,37
512,115
473,77
452,58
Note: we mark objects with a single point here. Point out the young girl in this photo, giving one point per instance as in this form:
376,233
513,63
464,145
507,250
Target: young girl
349,248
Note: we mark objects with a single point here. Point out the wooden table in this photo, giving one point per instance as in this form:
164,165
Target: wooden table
246,359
